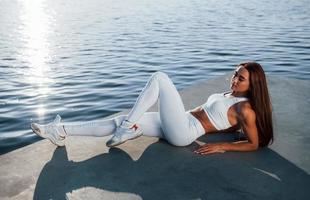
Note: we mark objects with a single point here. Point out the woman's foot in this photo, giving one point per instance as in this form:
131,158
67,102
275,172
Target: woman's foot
52,131
126,131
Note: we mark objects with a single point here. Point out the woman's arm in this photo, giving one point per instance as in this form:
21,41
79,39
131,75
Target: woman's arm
249,128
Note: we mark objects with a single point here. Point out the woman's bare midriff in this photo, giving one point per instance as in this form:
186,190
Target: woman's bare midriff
201,115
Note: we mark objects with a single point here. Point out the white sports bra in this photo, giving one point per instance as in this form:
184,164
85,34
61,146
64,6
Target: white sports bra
217,107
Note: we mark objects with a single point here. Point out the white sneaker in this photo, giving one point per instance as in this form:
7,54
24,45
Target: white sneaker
126,131
50,131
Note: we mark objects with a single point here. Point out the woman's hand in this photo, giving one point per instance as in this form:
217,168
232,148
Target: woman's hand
210,148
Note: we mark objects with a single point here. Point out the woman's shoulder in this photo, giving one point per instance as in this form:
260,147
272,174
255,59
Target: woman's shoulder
246,111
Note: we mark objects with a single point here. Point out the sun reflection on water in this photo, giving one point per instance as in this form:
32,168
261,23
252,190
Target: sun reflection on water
36,49
40,111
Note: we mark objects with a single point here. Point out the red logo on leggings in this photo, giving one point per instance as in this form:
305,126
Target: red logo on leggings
135,127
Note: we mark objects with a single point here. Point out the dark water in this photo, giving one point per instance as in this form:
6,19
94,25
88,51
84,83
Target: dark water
88,59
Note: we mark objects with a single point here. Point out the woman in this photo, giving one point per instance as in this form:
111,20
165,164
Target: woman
247,107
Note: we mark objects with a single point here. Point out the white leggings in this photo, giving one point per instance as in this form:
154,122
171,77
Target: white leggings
171,122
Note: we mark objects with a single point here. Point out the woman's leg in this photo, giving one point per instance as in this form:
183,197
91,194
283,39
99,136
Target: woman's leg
57,131
177,127
171,123
149,122
98,128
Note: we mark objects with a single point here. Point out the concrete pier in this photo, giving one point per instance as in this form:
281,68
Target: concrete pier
148,168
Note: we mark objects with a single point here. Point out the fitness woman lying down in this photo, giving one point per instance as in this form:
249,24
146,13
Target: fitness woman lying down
245,107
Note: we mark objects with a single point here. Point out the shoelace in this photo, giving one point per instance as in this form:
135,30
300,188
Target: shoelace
52,128
117,134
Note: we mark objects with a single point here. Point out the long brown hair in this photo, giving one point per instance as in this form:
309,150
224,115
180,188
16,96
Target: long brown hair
260,101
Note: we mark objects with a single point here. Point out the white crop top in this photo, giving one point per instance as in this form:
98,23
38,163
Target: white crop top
217,107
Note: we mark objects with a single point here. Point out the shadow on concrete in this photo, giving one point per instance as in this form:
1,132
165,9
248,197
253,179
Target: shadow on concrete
167,172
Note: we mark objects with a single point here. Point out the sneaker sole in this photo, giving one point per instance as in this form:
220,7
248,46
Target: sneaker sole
116,144
36,130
